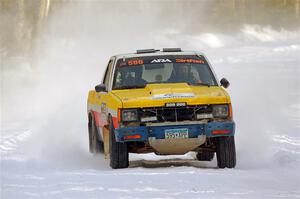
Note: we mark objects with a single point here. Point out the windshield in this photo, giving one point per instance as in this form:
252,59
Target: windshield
140,71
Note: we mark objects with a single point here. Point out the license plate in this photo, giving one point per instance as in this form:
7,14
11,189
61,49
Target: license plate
176,133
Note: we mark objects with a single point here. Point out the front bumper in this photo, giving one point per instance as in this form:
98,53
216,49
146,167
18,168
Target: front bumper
143,133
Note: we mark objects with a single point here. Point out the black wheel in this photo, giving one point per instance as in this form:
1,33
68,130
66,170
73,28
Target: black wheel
205,156
95,145
226,155
118,151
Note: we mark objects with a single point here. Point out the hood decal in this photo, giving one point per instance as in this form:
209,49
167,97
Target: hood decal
172,96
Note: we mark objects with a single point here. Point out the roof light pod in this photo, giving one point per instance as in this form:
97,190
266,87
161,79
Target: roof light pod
172,50
141,51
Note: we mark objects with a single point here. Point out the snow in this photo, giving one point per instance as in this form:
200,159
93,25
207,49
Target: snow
199,180
43,143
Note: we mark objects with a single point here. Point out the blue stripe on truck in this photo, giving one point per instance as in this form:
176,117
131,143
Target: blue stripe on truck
159,131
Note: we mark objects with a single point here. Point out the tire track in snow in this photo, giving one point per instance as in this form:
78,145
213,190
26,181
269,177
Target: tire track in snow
287,149
9,142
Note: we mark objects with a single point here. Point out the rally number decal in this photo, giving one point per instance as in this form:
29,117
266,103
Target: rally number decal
135,62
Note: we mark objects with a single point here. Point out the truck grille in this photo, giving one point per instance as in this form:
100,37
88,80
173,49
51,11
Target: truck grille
173,114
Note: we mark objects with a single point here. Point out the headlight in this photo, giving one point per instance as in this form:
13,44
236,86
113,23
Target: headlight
220,111
129,115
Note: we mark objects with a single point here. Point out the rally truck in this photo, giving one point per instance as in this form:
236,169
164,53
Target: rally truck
168,102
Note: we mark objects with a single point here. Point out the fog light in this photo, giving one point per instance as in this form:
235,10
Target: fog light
204,116
149,119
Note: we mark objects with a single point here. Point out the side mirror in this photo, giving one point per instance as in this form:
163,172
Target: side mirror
100,88
224,82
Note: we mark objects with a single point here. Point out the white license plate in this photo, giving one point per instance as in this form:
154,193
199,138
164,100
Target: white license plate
176,133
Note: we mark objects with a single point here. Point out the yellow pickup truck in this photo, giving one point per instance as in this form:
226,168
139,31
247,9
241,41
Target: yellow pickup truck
163,101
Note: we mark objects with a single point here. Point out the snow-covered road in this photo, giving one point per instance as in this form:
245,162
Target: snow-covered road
148,176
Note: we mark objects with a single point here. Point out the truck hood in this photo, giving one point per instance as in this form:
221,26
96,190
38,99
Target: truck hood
154,95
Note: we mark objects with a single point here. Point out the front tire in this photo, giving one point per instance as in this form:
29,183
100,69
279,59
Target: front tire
118,151
226,155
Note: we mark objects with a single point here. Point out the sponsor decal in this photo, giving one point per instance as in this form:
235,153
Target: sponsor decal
173,96
195,61
103,108
157,59
132,62
161,61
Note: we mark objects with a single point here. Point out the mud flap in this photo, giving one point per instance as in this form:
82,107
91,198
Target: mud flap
106,142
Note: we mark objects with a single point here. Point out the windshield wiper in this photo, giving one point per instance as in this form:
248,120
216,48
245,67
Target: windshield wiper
193,84
131,87
202,84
